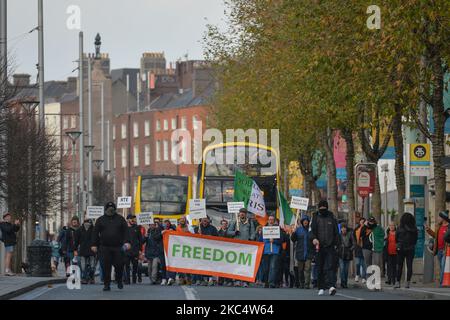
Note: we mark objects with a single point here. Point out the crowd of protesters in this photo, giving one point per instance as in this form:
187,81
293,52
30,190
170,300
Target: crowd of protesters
310,254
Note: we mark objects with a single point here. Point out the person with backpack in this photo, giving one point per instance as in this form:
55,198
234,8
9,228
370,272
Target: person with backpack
326,239
345,252
8,232
406,236
304,251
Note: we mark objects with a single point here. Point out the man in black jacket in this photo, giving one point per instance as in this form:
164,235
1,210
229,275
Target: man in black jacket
68,247
325,235
132,255
8,231
110,237
83,243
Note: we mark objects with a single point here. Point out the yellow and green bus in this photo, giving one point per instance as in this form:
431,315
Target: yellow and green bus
216,180
166,196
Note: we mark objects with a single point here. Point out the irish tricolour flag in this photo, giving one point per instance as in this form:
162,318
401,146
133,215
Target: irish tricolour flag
286,215
246,190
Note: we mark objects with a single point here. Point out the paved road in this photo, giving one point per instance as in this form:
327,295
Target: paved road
156,292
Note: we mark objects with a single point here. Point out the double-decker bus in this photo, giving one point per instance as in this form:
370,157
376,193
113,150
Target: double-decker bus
216,178
166,196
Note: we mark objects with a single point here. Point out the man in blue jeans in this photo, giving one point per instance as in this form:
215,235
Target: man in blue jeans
271,256
8,231
360,263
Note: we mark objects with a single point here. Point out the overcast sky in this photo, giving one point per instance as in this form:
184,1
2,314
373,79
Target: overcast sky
128,28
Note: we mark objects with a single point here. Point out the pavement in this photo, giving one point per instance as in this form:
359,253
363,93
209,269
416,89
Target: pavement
14,286
145,291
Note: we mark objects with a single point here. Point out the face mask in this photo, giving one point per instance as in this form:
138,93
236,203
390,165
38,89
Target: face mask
322,211
109,211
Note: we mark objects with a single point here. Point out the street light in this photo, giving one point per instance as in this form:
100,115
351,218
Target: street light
385,169
98,163
73,135
89,149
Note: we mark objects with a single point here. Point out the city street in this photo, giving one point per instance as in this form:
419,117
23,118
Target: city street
156,292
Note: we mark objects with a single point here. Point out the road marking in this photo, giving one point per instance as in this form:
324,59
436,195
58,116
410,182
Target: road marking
349,297
191,293
36,293
432,292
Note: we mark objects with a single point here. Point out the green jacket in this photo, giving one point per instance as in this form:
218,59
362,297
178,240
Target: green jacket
377,239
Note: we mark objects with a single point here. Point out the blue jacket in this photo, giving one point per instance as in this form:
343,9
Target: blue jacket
276,246
304,248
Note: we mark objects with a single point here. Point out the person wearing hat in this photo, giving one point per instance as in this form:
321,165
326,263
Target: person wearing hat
243,229
83,243
440,245
132,255
111,238
325,235
8,237
304,251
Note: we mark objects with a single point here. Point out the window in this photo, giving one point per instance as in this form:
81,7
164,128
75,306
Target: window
114,132
174,123
124,188
166,125
114,158
135,129
74,122
166,150
124,157
195,122
158,125
147,128
65,122
66,146
183,123
158,150
136,156
124,131
147,154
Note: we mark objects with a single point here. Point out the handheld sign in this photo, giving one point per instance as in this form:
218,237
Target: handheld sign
234,207
197,208
94,212
271,232
299,203
123,202
144,218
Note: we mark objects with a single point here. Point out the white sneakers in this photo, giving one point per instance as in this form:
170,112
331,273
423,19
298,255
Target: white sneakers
357,279
9,273
363,281
170,282
163,282
331,292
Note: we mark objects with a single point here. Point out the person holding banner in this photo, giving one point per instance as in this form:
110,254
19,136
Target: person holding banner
110,239
326,239
271,256
243,229
132,255
207,229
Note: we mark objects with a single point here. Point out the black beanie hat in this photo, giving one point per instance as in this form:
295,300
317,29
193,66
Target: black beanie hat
110,205
323,203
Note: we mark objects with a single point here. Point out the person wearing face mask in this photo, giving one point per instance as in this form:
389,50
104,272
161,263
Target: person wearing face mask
132,255
83,243
326,239
111,238
243,229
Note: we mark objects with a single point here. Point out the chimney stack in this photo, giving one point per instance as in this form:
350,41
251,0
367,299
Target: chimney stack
72,84
21,80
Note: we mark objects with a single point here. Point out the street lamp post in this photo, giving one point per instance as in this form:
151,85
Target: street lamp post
385,169
73,135
89,149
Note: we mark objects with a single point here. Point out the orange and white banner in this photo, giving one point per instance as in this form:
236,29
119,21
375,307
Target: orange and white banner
213,256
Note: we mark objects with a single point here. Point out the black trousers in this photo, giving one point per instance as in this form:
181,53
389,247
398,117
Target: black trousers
327,268
391,267
402,256
111,256
134,261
